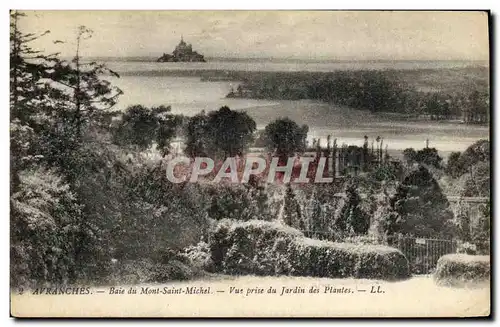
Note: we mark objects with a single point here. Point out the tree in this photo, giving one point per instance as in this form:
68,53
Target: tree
475,153
27,69
29,97
57,108
464,225
481,234
137,127
427,156
285,138
231,131
422,208
223,132
141,126
453,166
169,126
351,219
292,214
471,169
86,92
477,182
409,155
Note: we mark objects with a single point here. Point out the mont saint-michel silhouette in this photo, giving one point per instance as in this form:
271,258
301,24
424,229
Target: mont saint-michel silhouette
183,53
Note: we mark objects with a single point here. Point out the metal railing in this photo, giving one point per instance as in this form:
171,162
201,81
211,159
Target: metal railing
422,253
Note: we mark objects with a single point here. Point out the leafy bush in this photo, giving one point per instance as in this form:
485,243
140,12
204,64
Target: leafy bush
462,270
173,270
199,256
467,248
44,219
266,248
242,202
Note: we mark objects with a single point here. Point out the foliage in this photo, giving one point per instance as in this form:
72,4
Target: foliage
453,166
317,204
426,156
481,234
77,201
242,202
154,213
379,91
477,182
224,132
141,126
44,224
469,172
84,90
462,163
30,102
285,138
292,215
199,256
461,270
90,200
419,207
198,143
466,248
350,219
464,225
264,248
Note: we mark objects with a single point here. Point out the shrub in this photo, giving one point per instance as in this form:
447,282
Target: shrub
467,248
173,270
199,256
340,260
462,270
267,248
251,247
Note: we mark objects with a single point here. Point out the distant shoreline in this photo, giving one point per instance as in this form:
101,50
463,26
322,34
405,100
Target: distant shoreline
284,60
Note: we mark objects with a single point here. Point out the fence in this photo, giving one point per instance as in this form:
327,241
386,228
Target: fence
422,253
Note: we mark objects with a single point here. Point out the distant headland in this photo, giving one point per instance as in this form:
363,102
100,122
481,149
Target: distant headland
183,53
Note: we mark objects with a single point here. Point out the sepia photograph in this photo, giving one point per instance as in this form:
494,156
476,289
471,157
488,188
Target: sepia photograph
250,163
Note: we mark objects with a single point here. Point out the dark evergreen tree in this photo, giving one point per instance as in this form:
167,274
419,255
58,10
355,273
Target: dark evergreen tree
422,208
481,235
454,166
426,156
292,213
464,227
351,219
87,94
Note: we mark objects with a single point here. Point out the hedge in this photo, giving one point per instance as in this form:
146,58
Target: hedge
269,248
462,270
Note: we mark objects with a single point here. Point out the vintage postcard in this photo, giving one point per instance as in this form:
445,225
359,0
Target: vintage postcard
249,164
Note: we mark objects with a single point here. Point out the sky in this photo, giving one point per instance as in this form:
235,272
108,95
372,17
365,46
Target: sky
333,35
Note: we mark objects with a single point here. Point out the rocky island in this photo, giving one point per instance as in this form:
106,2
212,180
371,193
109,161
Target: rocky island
183,53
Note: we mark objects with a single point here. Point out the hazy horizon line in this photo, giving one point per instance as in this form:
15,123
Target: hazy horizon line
231,58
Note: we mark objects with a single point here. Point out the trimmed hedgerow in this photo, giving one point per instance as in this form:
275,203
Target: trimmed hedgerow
269,248
339,260
462,270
